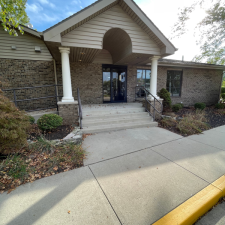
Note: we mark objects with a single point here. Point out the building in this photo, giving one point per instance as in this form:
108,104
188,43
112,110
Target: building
106,50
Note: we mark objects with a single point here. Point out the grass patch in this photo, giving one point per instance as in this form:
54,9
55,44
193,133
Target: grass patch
192,123
41,159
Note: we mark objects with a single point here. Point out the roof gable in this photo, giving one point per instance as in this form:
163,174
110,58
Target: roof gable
55,33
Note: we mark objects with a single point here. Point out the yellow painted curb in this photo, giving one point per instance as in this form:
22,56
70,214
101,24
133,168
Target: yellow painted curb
189,212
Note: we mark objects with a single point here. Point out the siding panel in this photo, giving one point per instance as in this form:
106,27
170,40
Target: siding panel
104,57
25,45
91,34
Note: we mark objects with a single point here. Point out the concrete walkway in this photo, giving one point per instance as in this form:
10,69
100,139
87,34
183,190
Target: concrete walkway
131,176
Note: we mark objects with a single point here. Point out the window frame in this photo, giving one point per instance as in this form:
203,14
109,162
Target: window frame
145,77
181,82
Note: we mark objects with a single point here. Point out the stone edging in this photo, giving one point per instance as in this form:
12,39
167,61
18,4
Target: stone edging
74,137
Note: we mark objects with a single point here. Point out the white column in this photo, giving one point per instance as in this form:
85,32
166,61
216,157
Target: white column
66,77
153,81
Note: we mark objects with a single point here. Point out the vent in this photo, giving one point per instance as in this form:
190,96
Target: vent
37,49
13,47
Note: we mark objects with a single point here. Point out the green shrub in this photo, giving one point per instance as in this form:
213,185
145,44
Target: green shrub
177,107
49,122
31,119
14,125
219,106
223,90
200,106
165,95
181,105
223,96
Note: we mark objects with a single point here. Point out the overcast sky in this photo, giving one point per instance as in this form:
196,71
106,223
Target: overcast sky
163,13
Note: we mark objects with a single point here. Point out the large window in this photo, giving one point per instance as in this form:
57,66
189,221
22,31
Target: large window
173,84
143,78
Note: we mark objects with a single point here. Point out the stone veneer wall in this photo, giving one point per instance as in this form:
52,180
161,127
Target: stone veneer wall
198,85
86,77
28,73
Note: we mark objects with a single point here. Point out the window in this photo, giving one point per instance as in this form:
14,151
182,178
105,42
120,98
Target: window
173,84
143,78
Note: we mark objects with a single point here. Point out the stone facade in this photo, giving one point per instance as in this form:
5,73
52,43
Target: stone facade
198,85
86,77
157,104
69,113
28,73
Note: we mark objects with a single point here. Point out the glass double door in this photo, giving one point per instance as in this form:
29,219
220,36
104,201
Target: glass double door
114,83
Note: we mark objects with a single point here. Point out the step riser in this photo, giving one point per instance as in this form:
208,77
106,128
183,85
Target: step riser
120,121
108,112
114,117
108,129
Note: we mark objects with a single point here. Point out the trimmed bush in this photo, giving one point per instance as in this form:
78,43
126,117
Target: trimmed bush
14,125
200,106
31,119
165,95
223,96
177,107
223,90
181,105
219,106
49,122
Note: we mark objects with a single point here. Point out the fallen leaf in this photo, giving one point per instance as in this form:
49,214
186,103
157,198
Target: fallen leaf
55,168
10,190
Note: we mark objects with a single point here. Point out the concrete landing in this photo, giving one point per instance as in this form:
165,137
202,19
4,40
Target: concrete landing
108,145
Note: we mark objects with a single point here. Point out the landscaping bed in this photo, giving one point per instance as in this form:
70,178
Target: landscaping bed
197,121
58,133
38,160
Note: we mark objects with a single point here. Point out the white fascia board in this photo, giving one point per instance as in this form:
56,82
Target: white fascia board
211,67
167,51
58,29
150,24
33,32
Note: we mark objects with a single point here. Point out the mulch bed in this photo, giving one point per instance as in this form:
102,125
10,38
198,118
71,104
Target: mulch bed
58,133
215,117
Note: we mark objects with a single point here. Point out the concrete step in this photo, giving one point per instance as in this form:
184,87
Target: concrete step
114,116
112,111
118,120
115,127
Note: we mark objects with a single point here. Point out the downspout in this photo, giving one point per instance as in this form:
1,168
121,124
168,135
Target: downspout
221,86
56,81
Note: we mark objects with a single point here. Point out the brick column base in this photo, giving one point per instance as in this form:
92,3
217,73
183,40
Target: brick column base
157,106
69,112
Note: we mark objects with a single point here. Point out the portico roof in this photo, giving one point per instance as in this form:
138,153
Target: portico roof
55,35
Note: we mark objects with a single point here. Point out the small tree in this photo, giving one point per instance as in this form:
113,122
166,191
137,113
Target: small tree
165,95
13,126
13,15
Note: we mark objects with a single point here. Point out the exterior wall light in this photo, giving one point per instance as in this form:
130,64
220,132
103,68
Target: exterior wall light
13,47
37,49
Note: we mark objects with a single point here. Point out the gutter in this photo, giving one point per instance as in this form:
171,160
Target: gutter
191,66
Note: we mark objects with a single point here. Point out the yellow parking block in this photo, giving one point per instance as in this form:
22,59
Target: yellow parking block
189,212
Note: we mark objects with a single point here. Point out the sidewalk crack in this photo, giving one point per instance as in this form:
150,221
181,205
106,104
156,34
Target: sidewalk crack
105,195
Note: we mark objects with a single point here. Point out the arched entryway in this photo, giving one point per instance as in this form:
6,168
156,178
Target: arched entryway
118,43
